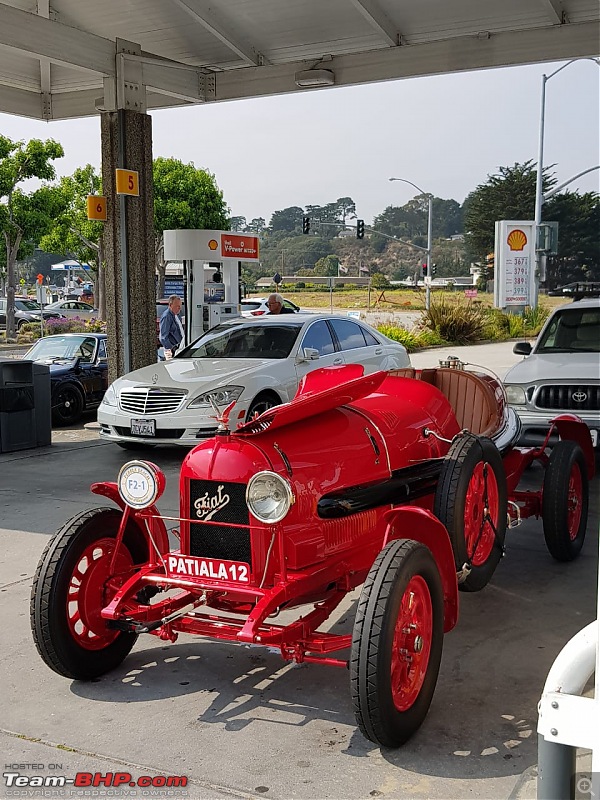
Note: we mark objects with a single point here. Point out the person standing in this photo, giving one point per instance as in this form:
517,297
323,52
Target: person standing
171,329
276,306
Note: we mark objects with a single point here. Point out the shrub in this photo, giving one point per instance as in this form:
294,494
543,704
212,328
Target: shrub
458,323
412,340
534,319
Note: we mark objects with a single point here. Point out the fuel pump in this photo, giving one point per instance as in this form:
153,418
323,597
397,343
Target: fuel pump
212,268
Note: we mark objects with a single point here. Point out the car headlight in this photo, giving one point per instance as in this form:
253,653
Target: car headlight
269,497
222,397
515,395
110,396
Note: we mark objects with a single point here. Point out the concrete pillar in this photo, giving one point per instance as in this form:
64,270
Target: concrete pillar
129,243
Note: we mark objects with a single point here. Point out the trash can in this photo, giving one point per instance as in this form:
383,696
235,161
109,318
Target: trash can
42,400
22,425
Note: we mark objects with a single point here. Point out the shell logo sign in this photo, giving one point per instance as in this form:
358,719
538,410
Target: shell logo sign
213,244
516,239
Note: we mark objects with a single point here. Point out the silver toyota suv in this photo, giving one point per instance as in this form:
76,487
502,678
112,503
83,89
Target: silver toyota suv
560,373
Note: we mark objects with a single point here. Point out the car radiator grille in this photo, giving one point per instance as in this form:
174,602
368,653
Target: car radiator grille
219,502
573,397
151,400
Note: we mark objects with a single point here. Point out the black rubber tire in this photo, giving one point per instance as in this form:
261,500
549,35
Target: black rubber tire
48,607
465,453
565,456
67,405
262,403
372,639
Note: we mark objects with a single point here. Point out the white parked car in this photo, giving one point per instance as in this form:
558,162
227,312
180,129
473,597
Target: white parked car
257,306
560,373
255,363
73,309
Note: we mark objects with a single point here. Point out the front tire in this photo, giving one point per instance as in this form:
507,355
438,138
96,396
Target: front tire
260,404
67,405
397,643
471,502
72,584
565,501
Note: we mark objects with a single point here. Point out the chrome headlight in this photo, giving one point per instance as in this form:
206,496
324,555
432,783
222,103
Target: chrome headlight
269,497
515,395
110,396
222,397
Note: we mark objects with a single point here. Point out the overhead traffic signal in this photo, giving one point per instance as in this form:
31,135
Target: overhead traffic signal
305,224
360,229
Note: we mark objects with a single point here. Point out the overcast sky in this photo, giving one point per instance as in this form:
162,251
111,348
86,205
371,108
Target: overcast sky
446,134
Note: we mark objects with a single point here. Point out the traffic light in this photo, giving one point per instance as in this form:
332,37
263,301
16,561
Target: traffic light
424,267
360,229
305,224
433,269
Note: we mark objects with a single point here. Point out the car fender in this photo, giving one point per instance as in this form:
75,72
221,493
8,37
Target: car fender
426,528
570,426
151,514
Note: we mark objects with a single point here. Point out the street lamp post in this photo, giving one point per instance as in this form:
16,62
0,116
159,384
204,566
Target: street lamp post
539,193
427,249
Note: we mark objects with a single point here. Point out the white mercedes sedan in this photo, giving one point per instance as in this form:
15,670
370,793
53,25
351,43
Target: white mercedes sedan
255,363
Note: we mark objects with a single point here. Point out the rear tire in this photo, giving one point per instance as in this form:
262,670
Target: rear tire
397,643
565,501
72,584
473,468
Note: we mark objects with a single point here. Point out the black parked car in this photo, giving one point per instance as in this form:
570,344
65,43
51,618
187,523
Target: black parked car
25,311
78,372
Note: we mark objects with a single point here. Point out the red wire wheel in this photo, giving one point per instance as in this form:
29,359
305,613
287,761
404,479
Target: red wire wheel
565,501
412,643
91,587
397,643
471,502
73,583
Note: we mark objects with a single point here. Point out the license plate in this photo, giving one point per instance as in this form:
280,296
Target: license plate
181,566
143,427
594,435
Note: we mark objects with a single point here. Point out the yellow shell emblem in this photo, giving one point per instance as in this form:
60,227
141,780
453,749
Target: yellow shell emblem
213,244
516,239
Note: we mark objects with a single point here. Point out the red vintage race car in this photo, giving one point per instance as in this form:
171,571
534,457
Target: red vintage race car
403,482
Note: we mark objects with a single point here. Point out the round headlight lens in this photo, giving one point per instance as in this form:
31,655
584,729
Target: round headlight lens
269,497
515,395
140,483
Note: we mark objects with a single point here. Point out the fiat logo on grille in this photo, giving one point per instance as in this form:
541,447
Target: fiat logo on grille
579,397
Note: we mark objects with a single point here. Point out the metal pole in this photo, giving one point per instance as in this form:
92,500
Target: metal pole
556,768
539,198
429,230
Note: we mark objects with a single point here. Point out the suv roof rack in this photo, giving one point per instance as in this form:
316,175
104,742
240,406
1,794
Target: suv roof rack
578,290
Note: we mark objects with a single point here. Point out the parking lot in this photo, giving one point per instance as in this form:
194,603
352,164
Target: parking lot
237,720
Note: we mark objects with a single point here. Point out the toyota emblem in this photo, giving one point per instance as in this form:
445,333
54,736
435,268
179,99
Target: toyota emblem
579,397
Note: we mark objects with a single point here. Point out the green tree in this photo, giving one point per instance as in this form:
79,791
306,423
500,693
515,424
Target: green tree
507,195
72,233
288,219
184,197
24,218
327,266
237,224
578,258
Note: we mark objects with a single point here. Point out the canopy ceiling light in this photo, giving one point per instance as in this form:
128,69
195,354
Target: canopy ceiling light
314,77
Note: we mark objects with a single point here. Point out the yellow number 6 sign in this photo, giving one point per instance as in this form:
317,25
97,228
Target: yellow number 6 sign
127,182
96,207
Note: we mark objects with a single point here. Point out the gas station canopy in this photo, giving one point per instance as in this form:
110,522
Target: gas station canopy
72,58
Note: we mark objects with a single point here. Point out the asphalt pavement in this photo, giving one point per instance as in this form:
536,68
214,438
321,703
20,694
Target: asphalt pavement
237,720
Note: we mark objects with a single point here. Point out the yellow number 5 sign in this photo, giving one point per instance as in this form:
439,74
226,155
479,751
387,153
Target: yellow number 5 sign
127,182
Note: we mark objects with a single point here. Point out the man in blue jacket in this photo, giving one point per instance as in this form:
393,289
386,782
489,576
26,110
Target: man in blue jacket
171,329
